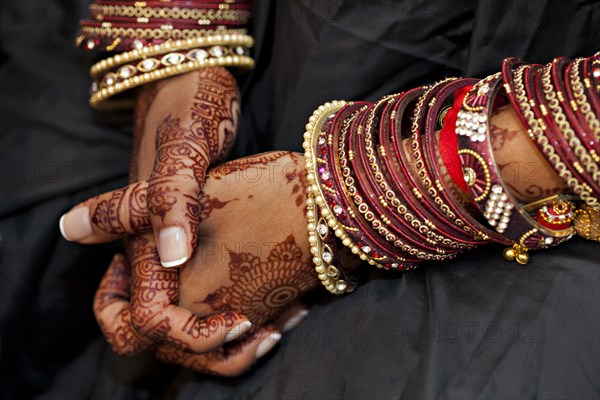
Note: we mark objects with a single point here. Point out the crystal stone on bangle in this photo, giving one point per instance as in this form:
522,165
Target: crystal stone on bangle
94,87
332,271
322,229
137,44
148,64
173,59
327,257
217,51
197,55
126,71
110,79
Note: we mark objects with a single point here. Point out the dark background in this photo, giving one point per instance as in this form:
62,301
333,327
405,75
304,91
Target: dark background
478,327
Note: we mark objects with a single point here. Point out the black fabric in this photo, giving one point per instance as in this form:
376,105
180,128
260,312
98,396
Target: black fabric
477,327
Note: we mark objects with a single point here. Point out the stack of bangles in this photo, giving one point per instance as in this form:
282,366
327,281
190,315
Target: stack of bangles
158,39
412,177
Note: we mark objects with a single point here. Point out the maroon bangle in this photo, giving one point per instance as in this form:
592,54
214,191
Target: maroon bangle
154,25
437,198
331,171
372,226
432,159
151,23
585,132
591,76
399,178
396,162
239,4
494,199
533,86
402,216
413,245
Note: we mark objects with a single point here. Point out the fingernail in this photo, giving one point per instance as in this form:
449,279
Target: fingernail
75,225
238,331
294,320
172,246
267,344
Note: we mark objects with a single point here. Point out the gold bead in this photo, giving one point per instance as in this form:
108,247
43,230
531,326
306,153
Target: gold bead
522,258
509,254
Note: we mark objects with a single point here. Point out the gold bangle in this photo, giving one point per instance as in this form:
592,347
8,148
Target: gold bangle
229,61
165,33
169,13
137,54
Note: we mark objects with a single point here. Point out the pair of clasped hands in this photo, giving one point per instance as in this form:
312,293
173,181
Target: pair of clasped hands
216,259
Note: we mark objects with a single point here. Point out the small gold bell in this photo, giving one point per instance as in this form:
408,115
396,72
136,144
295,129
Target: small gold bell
522,258
517,253
509,254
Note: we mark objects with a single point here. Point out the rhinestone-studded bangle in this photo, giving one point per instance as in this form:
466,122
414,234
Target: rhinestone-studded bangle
320,228
98,98
141,52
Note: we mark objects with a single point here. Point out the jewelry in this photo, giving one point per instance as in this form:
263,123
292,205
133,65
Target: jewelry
104,93
515,89
234,15
170,46
319,223
493,198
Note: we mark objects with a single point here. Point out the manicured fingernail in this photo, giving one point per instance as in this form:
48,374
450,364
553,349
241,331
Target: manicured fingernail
75,225
267,344
294,320
238,331
172,246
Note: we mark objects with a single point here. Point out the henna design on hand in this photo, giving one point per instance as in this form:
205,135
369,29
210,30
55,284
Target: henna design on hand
145,99
152,318
501,136
186,147
121,211
111,307
251,162
215,111
297,178
261,289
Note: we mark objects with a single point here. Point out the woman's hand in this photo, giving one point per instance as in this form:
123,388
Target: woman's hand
183,125
252,258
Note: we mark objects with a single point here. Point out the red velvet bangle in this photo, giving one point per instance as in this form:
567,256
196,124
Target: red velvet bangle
449,141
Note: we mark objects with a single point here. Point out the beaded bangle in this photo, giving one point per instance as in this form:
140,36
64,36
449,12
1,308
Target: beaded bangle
319,222
150,64
97,98
171,46
493,198
124,39
198,14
